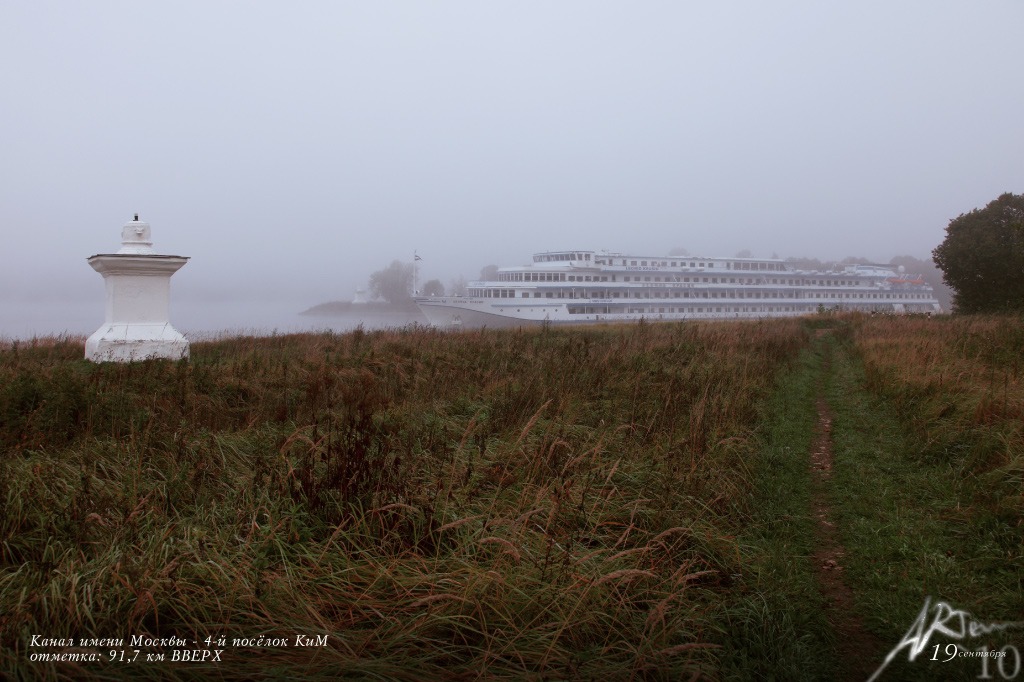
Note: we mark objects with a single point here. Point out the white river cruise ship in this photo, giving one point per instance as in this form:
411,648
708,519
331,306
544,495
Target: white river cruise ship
580,287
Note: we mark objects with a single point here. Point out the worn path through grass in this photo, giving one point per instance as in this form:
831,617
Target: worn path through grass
856,648
856,527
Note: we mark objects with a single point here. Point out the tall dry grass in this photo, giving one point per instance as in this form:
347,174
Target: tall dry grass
957,384
504,504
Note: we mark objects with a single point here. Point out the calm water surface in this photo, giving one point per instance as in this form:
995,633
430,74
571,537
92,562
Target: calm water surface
24,320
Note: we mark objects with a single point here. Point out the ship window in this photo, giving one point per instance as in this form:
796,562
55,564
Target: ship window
549,295
643,262
625,279
526,294
603,279
673,263
588,257
647,279
657,279
664,263
536,294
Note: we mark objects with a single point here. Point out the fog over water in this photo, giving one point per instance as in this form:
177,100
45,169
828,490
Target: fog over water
291,149
197,319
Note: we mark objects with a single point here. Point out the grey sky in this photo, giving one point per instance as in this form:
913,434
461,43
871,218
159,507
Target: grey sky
293,148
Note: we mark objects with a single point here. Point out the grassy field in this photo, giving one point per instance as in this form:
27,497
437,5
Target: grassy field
615,503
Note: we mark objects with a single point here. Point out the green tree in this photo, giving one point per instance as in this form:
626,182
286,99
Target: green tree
982,257
393,283
433,288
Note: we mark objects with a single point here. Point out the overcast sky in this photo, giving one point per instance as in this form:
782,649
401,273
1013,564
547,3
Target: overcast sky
291,149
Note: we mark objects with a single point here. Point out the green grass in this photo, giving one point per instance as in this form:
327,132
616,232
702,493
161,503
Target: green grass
915,529
777,628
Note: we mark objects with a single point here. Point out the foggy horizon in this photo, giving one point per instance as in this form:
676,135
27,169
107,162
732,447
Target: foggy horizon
291,151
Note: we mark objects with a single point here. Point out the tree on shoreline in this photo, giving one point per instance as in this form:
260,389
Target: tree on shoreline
433,288
393,283
982,257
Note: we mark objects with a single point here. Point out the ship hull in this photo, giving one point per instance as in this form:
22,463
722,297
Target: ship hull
467,313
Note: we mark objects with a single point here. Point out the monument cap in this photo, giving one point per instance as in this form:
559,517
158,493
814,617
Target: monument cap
136,238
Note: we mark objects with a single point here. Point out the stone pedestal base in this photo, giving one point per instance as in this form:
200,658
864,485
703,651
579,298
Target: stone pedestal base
120,342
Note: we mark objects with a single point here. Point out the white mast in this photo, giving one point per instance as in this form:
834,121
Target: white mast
415,273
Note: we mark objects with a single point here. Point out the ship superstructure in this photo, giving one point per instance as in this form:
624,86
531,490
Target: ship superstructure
577,287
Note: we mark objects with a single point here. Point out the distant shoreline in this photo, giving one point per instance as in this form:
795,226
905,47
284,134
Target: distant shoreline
347,308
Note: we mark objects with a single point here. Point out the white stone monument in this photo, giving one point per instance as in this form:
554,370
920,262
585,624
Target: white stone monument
138,283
